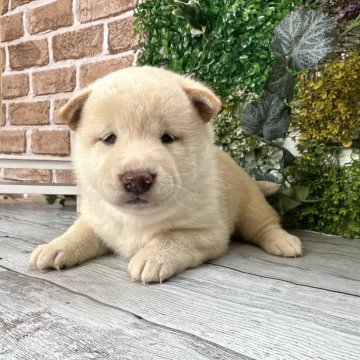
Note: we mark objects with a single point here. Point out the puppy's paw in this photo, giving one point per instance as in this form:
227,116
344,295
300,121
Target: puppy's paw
51,256
148,265
284,245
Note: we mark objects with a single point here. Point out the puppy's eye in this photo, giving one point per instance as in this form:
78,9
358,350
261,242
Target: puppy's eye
109,139
168,139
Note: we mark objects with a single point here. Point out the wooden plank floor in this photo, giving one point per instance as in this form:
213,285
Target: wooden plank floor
245,305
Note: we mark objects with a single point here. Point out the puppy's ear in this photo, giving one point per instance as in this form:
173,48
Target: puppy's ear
70,113
203,99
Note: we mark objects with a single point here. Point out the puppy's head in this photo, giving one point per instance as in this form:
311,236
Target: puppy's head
142,139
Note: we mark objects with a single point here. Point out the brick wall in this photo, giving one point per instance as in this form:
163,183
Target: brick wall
51,48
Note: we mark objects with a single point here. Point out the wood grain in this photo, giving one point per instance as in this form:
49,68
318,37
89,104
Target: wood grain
246,304
328,262
42,321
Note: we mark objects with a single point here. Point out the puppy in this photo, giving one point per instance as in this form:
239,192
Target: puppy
154,188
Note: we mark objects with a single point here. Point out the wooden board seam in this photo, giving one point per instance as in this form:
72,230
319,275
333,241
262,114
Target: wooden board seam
283,280
164,327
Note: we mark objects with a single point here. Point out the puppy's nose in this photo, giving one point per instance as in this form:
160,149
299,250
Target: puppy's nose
137,182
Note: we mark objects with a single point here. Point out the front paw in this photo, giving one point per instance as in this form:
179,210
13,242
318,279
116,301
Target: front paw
149,265
51,256
284,245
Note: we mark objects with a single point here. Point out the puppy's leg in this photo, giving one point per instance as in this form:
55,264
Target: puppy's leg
172,252
78,244
259,223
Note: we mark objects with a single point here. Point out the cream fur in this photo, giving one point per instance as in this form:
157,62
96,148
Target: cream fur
200,196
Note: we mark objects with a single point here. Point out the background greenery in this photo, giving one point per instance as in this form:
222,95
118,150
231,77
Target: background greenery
226,44
231,51
338,188
231,55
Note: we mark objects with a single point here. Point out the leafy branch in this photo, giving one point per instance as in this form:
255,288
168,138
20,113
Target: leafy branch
300,41
192,12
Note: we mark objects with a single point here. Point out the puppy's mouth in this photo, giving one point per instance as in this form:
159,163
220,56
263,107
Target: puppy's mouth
136,201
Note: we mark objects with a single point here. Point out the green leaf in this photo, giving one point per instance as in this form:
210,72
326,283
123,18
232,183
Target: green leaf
268,117
278,120
50,199
302,192
288,33
190,11
276,47
307,36
280,81
251,119
292,197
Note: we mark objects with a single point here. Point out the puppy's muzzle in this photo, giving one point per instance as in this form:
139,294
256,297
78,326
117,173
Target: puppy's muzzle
137,182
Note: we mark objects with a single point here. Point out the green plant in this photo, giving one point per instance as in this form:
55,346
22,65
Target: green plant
346,13
51,199
327,104
317,192
301,40
335,191
223,42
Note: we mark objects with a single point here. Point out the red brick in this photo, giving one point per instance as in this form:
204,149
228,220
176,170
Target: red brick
93,71
3,59
36,175
29,54
65,176
89,10
78,44
57,105
16,3
51,142
5,6
29,113
12,142
121,35
15,86
50,17
54,81
11,27
3,115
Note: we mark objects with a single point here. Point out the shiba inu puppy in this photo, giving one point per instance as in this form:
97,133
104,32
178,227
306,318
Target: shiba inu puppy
154,187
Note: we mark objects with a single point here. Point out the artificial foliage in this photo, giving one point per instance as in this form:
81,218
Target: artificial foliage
333,191
316,192
327,104
227,127
222,42
51,199
346,14
251,53
302,39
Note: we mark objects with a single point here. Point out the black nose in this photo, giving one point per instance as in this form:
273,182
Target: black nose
137,182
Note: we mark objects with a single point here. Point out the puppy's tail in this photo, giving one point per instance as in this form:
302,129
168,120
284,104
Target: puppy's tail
268,188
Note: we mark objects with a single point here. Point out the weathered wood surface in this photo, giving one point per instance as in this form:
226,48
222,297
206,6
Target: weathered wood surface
245,305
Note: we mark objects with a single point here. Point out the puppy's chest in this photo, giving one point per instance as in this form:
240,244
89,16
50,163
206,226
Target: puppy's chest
123,239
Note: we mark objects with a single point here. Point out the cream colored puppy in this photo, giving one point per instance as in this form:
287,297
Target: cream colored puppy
154,188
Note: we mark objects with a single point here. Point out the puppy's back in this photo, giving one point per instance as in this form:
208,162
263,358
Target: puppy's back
238,193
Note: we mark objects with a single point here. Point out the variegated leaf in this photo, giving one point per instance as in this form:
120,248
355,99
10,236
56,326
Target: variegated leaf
280,81
307,36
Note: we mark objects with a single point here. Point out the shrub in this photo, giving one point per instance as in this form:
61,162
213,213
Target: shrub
301,40
327,104
222,42
229,53
225,44
334,191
